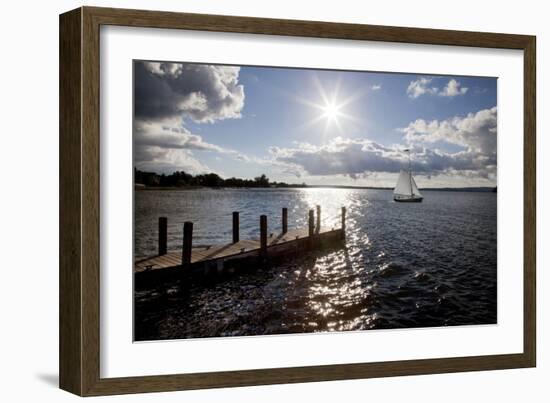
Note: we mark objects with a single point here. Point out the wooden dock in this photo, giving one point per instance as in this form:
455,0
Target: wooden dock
217,257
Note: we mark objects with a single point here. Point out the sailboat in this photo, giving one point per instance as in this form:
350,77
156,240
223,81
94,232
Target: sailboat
406,189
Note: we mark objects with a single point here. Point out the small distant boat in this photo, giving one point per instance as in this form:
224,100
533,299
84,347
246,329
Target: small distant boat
406,189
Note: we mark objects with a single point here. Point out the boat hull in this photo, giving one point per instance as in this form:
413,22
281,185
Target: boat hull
408,199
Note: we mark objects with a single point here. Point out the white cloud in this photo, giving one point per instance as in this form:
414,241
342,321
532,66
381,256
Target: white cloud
163,69
361,156
166,97
163,146
355,158
452,89
422,86
475,132
376,87
162,160
165,134
202,93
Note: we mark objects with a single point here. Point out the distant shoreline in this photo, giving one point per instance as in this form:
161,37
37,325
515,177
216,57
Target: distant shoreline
140,187
181,180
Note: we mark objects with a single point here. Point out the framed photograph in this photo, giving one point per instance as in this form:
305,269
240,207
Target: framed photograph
249,201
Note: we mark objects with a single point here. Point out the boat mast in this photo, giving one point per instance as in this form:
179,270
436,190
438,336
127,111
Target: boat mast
408,151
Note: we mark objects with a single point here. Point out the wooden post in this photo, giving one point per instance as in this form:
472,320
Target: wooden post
311,229
343,222
285,220
187,244
163,235
263,236
235,226
311,223
318,227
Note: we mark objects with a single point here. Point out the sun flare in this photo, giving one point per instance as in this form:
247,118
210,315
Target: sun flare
331,108
331,111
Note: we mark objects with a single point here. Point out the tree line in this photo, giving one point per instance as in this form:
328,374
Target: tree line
184,179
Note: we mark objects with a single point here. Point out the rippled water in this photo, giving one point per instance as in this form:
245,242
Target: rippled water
404,265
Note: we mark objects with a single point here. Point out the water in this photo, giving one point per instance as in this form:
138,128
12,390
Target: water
404,265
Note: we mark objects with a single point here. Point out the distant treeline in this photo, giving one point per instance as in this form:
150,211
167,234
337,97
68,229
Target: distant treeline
465,189
184,179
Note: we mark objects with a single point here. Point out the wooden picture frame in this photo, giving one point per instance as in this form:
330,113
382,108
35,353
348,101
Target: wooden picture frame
79,346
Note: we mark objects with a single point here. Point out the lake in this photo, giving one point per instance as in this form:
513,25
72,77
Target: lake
405,264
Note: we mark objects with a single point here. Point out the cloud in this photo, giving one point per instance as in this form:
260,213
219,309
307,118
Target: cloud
361,156
166,147
202,93
475,133
452,89
376,87
169,95
422,86
339,157
161,148
164,135
162,160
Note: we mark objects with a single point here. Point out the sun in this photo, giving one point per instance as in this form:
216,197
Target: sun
331,107
331,111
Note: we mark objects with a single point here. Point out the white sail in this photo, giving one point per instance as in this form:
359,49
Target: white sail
406,189
404,185
415,190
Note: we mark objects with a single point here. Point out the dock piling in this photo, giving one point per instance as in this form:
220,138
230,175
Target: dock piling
311,229
235,226
163,235
343,222
311,224
187,244
285,220
263,236
318,226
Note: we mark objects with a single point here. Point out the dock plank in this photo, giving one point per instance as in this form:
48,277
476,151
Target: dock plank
173,259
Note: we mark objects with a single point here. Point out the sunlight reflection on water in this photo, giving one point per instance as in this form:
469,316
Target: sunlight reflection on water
331,202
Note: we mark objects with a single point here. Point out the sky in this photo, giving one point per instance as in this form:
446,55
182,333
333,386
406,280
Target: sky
319,127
